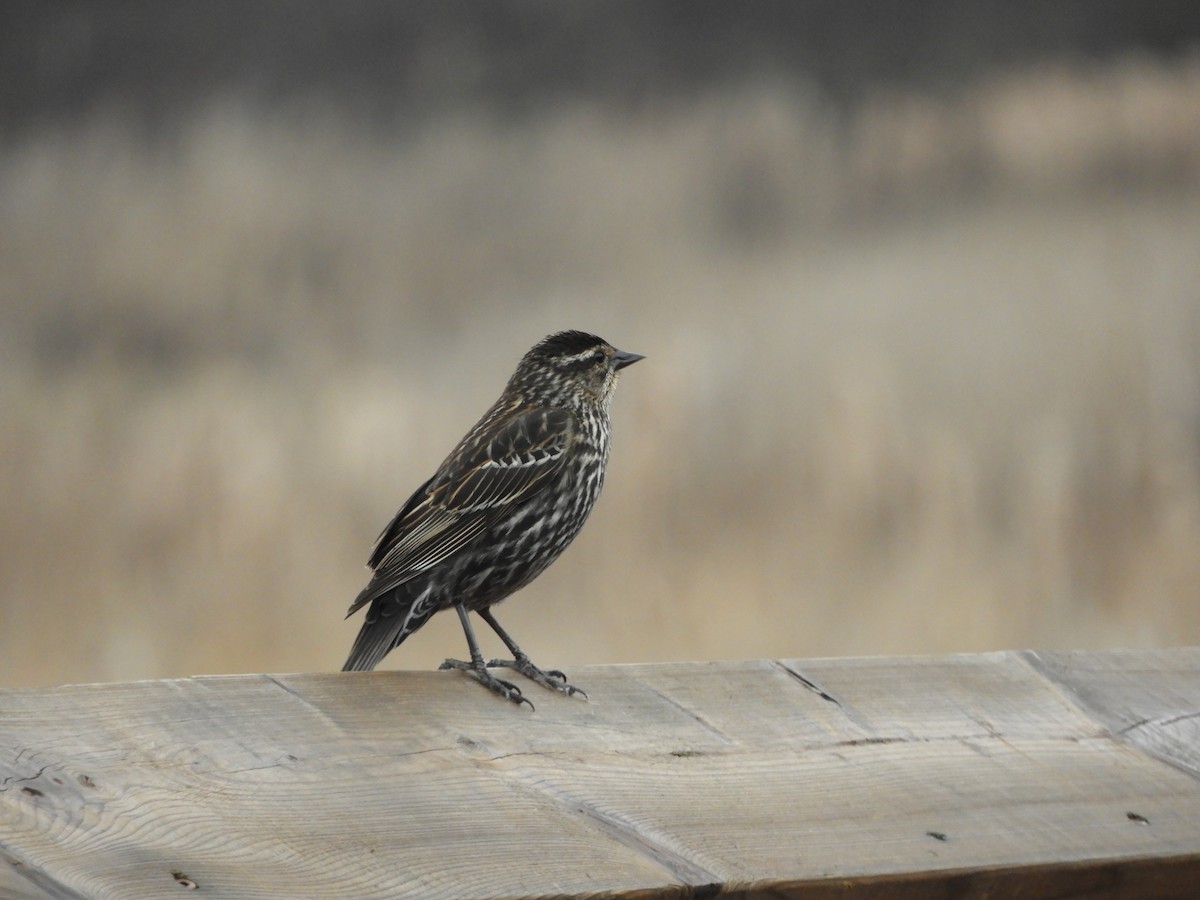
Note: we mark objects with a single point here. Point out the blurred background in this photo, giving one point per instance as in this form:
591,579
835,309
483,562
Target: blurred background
918,286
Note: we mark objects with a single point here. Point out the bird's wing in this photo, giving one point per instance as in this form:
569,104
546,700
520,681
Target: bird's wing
509,457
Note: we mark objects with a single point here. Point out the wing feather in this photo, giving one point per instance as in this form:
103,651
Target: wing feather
509,457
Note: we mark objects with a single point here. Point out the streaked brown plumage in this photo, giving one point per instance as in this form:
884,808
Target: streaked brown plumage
501,507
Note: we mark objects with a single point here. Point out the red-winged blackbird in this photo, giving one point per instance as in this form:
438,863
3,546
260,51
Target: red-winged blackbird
501,507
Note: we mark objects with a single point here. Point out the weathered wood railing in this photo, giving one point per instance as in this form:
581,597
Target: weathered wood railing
1038,774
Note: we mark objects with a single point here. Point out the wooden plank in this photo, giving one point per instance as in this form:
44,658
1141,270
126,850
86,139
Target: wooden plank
16,883
868,777
1149,698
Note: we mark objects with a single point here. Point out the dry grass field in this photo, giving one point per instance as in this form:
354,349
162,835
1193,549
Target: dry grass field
923,377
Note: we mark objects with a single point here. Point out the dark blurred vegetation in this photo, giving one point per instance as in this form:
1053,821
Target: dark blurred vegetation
918,285
393,63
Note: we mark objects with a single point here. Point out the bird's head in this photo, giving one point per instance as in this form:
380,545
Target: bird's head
571,368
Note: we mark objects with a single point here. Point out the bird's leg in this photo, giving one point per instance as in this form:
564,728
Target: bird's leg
551,678
476,667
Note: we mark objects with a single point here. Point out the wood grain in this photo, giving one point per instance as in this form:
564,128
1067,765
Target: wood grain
1145,697
1044,774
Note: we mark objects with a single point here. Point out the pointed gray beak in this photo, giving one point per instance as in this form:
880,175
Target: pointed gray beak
623,358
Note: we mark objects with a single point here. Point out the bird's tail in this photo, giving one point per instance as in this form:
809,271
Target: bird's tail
370,647
390,619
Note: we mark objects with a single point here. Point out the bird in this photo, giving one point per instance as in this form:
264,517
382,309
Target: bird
503,506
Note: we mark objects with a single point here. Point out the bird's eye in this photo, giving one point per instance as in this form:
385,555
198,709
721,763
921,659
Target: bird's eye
599,357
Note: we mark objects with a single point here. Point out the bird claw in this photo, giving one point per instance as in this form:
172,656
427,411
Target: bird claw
505,689
551,678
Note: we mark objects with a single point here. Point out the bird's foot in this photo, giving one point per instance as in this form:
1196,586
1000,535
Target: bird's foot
551,678
479,672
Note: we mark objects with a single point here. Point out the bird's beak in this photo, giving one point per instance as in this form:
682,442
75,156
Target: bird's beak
623,358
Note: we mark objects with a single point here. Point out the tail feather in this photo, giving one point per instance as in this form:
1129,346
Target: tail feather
390,619
370,647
